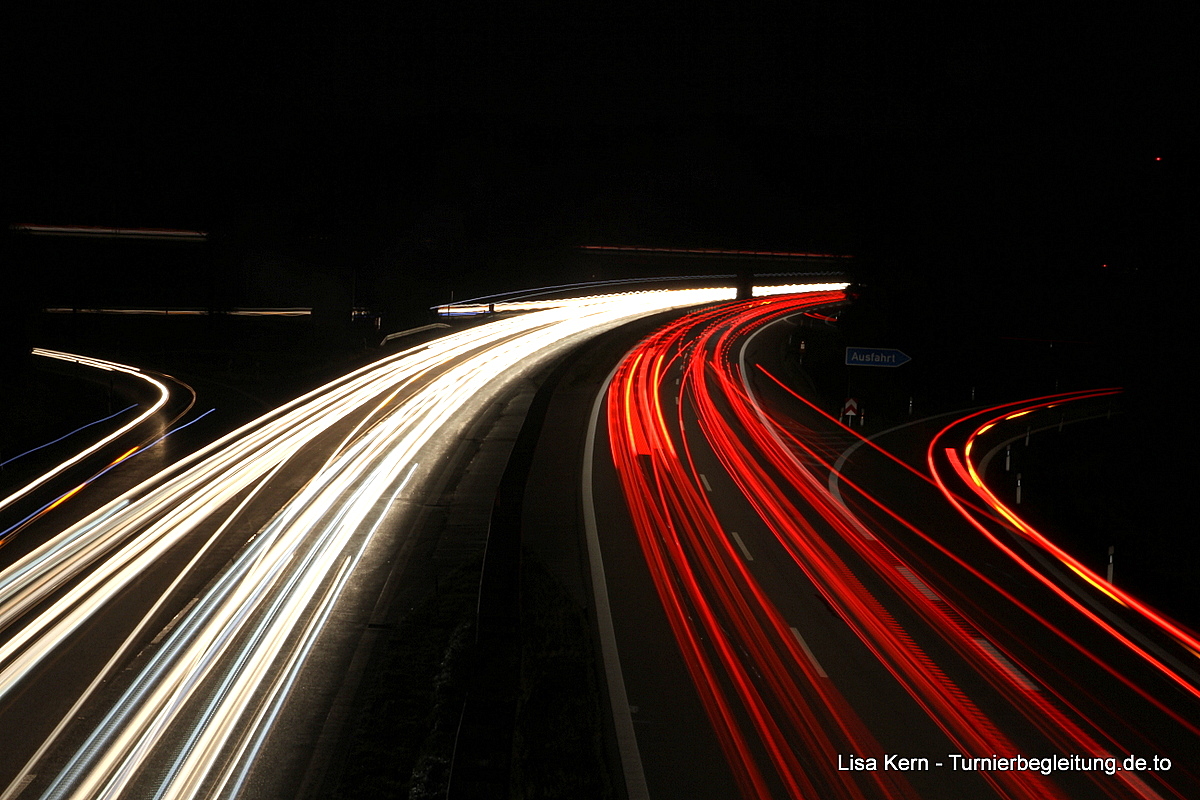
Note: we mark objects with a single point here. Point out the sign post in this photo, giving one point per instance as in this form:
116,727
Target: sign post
850,409
871,357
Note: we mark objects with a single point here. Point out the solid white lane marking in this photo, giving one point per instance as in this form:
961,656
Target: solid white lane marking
804,645
741,545
627,747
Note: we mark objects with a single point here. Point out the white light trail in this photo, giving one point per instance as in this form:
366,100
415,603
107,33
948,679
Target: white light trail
107,366
202,705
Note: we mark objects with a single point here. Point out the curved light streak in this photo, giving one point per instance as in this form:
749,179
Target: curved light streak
964,468
760,694
65,436
217,680
107,366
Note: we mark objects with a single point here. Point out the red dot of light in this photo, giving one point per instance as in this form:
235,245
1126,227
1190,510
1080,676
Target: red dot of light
1158,158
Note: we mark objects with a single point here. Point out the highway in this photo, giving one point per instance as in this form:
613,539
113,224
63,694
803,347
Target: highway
181,639
793,611
784,608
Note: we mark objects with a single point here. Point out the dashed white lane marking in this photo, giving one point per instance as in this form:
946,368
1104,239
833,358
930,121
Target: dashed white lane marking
922,587
704,480
741,545
172,623
1006,665
804,645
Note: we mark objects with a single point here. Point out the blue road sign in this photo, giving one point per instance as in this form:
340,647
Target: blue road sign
875,357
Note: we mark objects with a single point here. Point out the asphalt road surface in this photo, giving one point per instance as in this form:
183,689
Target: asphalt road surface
797,613
187,637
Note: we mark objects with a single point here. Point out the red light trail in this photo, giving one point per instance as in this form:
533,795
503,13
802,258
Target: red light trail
777,715
964,468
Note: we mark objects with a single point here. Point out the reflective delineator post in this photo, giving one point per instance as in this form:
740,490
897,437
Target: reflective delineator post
1018,488
1111,548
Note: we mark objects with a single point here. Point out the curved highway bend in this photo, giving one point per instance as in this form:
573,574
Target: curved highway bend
827,638
152,648
164,401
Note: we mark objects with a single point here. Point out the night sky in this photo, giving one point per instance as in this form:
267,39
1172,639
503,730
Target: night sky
984,162
880,130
